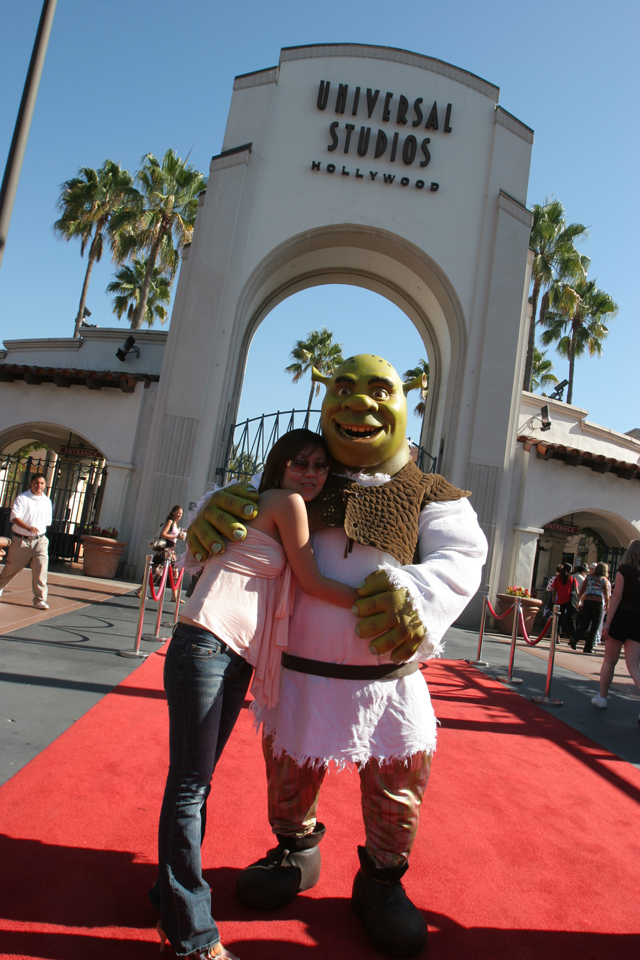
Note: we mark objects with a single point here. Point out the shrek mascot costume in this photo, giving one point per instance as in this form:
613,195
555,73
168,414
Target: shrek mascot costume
352,693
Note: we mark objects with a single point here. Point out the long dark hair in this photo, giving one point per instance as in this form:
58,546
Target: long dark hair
285,449
172,513
566,570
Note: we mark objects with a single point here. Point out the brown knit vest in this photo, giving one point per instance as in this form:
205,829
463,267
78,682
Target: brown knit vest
385,516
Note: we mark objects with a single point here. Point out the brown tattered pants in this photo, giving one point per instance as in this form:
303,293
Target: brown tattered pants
18,556
391,796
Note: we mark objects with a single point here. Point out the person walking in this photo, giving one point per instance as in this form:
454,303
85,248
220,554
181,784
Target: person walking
31,514
622,624
564,592
594,593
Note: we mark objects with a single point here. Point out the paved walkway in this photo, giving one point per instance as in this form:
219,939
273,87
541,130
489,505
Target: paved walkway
66,592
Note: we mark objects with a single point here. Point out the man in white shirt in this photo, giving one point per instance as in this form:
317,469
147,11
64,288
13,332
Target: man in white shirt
31,514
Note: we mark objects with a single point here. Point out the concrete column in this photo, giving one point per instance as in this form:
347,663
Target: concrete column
523,555
115,494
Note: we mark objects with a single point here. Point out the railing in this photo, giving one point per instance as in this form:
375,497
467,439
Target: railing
251,440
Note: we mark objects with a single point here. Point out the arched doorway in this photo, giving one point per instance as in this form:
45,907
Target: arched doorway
74,469
379,262
584,536
271,403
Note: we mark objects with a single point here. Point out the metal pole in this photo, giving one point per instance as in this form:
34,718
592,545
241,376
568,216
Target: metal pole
548,700
157,637
172,623
135,653
514,634
479,662
23,122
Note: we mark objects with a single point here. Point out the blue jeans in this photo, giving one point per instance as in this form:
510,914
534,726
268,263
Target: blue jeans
206,683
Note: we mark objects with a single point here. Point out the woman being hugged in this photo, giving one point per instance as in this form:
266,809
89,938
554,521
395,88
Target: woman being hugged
235,621
622,624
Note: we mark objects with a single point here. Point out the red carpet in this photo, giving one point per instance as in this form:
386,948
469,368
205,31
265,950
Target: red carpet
528,846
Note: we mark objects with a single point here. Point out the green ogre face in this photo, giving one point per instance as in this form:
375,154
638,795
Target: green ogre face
364,412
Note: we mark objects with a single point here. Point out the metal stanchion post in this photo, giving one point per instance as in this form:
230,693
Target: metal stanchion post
548,700
479,662
172,623
157,636
135,653
514,633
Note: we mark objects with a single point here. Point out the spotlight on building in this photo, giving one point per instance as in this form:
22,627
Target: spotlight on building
126,348
545,417
559,390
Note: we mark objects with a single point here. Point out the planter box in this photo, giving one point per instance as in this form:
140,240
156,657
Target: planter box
530,609
101,556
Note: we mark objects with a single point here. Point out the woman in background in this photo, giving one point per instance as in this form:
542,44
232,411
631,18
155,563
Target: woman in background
622,624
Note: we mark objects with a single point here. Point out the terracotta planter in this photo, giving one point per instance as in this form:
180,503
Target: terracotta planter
101,556
530,608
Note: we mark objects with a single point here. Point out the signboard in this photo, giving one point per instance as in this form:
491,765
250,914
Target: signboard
80,452
557,526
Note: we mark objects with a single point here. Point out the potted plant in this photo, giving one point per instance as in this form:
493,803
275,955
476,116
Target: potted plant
102,552
530,607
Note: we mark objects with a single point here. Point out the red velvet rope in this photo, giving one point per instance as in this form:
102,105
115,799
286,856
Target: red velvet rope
495,615
154,595
527,638
175,584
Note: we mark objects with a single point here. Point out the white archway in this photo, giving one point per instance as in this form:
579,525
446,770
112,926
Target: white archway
378,261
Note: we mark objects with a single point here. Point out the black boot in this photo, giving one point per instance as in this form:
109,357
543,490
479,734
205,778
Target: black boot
393,924
292,866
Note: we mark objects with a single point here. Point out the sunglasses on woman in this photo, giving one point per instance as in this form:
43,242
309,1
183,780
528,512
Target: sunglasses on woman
300,465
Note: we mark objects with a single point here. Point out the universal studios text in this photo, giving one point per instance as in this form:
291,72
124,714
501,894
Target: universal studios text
381,144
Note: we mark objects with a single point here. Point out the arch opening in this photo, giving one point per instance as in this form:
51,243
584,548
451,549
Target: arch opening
381,263
75,475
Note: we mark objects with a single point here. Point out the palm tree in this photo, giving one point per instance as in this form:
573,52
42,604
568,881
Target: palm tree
88,203
160,219
423,367
127,285
555,259
576,324
541,375
318,351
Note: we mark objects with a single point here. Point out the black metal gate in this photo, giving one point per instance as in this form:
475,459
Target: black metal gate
250,442
75,488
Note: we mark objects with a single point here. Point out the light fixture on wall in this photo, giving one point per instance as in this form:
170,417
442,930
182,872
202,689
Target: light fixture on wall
126,348
545,418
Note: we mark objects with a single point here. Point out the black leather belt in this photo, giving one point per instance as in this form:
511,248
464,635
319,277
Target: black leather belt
24,536
348,671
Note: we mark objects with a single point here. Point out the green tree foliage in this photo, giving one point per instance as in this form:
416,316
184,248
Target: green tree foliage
423,367
159,218
541,375
575,322
88,204
319,351
555,259
127,286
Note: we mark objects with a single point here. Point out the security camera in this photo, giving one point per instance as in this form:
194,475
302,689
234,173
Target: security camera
545,417
559,390
127,347
86,312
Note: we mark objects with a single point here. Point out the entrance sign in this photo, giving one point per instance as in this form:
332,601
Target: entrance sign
369,166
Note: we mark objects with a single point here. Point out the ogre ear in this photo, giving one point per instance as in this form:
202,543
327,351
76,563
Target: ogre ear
418,383
318,377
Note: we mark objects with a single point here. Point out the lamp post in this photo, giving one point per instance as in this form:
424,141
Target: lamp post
25,113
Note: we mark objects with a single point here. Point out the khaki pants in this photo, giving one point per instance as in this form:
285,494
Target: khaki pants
18,556
391,796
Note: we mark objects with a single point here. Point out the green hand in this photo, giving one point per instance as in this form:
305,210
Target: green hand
217,521
387,619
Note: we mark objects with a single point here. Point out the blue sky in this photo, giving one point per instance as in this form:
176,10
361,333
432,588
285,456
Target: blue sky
126,77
